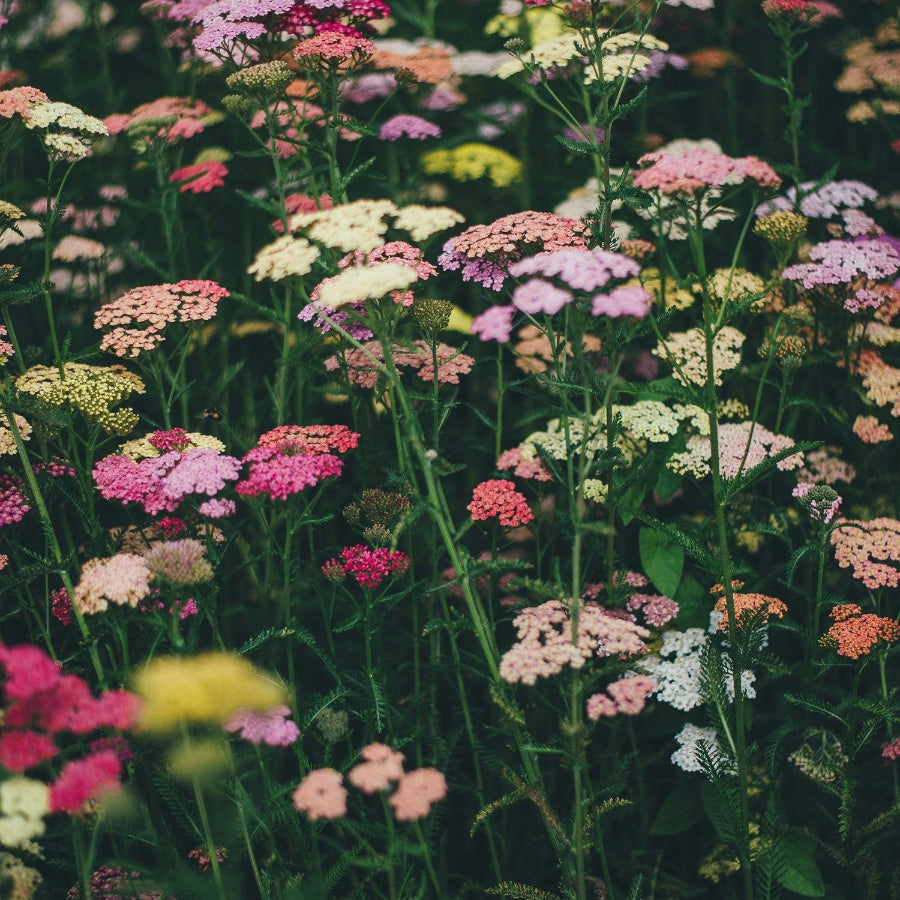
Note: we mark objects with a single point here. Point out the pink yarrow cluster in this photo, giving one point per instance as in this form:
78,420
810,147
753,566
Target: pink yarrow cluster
162,483
321,795
167,118
498,498
367,565
866,548
343,16
485,252
13,504
626,697
699,169
362,371
547,645
43,703
200,178
272,728
138,318
291,458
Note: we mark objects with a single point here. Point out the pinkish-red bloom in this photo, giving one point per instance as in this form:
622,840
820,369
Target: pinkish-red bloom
85,779
498,498
200,178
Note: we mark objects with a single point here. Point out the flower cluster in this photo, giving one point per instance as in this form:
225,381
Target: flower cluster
484,253
170,119
498,498
321,794
755,608
290,458
699,169
821,500
368,566
471,161
92,390
742,447
867,548
685,351
546,642
272,727
123,579
201,177
163,482
42,704
626,697
210,687
855,633
363,366
138,318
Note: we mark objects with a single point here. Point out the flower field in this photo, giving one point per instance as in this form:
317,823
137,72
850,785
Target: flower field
448,449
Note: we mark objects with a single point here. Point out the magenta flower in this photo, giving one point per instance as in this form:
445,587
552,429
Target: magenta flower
278,475
367,565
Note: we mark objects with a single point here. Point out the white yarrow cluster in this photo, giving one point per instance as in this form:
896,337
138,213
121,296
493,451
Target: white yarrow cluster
24,802
284,257
365,283
690,739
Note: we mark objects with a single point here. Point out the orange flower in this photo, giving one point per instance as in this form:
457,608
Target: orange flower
750,606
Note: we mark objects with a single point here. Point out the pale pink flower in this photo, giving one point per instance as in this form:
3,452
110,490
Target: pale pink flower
382,767
321,795
416,791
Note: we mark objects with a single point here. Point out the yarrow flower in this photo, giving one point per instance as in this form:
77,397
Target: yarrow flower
748,607
690,740
138,318
201,177
867,548
471,161
686,352
416,792
369,567
627,697
321,795
698,169
870,431
381,767
498,498
363,366
855,633
413,127
547,645
272,727
821,500
123,579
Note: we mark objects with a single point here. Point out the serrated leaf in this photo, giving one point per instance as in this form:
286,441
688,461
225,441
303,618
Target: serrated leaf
581,148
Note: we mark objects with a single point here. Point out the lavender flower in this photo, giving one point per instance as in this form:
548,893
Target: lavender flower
413,127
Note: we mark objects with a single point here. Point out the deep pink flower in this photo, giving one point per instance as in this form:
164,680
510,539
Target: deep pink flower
85,779
368,566
200,178
20,750
280,475
28,671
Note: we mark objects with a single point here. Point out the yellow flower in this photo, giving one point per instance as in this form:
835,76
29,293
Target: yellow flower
182,690
468,162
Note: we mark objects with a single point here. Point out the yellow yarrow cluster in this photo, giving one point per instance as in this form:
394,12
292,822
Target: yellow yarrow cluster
541,23
92,390
734,286
268,77
208,688
782,227
665,289
469,162
141,448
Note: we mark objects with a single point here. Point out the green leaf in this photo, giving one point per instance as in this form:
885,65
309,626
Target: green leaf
801,873
681,810
581,148
768,81
662,560
667,483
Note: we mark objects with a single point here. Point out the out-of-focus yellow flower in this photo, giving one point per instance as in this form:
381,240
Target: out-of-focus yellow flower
468,162
184,690
541,22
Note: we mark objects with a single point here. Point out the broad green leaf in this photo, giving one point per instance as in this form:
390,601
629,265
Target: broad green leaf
681,810
801,873
662,560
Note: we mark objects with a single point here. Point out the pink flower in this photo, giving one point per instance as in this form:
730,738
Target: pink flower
13,505
310,439
200,178
272,728
413,127
280,475
698,169
368,566
20,750
382,767
622,301
321,795
499,498
415,793
28,671
334,46
84,779
892,750
870,431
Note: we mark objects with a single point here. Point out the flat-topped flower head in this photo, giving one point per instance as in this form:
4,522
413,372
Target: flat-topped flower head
137,320
484,253
868,548
201,177
698,169
329,47
171,119
95,391
498,498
